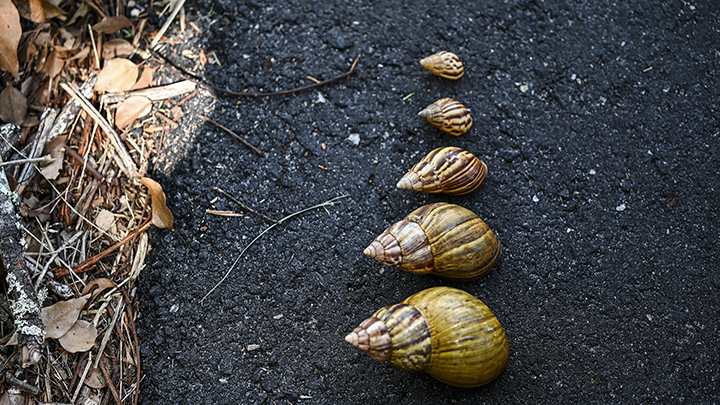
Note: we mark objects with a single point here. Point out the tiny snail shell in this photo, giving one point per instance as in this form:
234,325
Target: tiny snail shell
449,116
443,239
444,64
443,331
447,170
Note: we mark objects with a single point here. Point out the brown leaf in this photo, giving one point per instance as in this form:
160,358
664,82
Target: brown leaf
56,149
104,220
131,109
80,338
10,32
55,62
162,217
95,379
32,10
145,80
97,286
116,76
110,25
61,316
13,106
117,48
80,55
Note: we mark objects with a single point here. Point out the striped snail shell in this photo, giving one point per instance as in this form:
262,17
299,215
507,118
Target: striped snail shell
444,64
442,331
443,239
449,116
447,170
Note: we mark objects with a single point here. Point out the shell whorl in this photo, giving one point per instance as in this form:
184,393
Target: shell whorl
444,64
447,170
449,116
443,239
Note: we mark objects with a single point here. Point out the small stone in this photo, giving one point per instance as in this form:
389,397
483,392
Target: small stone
620,208
535,198
252,347
354,139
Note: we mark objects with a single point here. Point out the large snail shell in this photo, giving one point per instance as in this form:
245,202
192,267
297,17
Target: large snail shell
448,170
446,240
442,331
444,64
449,116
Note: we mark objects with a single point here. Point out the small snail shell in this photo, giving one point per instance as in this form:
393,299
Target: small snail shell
444,64
449,116
448,170
443,239
442,331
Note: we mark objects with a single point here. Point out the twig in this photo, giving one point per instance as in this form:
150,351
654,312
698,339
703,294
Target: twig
127,165
325,204
180,72
45,160
236,136
87,165
169,21
109,383
131,322
236,201
84,266
43,135
156,93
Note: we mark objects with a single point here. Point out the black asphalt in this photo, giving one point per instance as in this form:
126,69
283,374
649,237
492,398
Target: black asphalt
599,123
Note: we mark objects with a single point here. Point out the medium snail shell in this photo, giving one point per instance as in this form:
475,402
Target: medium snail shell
444,64
448,170
443,239
442,331
449,116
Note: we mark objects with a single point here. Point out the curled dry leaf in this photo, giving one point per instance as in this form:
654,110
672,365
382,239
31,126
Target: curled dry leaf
61,316
97,286
94,379
132,109
161,215
80,338
117,48
110,25
13,105
10,32
145,80
116,76
38,11
56,149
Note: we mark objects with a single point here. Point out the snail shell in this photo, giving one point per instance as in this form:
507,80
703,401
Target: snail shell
444,64
449,116
443,239
448,170
442,331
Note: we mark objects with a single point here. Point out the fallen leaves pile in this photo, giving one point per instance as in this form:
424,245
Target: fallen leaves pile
83,121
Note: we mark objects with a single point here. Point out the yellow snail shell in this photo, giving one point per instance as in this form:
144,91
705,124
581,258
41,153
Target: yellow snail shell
443,239
447,170
444,64
449,116
443,331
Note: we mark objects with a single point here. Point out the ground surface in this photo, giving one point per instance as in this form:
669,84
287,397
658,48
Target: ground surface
599,124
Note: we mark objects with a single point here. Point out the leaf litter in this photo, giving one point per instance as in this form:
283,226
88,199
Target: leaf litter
83,157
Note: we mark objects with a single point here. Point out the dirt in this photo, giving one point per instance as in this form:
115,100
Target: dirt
598,122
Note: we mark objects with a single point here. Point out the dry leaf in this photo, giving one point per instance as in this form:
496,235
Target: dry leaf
104,220
38,11
13,106
116,76
61,316
117,48
110,25
97,286
161,215
10,32
95,379
145,80
55,62
80,55
80,338
132,109
56,148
